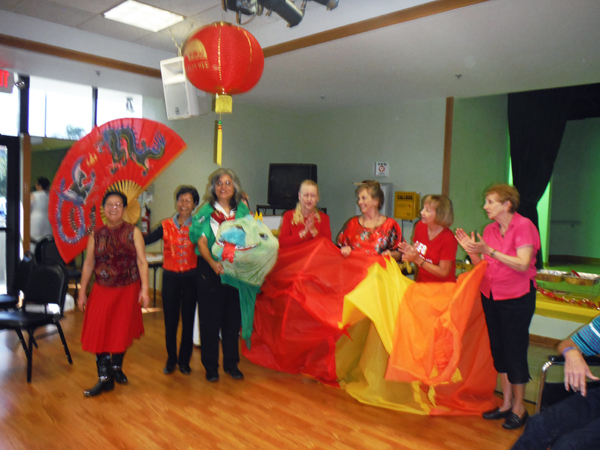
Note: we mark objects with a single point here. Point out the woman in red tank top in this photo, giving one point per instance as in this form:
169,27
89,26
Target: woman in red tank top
113,317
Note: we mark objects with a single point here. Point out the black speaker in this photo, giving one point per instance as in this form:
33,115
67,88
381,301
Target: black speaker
285,180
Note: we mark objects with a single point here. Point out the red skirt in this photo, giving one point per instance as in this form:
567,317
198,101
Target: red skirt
112,319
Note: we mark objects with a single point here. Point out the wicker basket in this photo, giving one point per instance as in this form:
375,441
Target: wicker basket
584,279
552,276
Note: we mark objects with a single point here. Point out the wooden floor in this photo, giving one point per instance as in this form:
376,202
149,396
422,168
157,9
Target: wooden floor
268,410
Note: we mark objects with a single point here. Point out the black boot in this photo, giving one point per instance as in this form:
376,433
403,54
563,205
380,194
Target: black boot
117,368
105,378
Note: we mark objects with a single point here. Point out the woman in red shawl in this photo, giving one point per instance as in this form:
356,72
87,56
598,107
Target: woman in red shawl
305,222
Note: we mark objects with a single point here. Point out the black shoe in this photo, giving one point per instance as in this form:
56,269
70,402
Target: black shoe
119,376
212,375
186,370
496,414
235,373
105,377
103,385
169,369
513,421
117,367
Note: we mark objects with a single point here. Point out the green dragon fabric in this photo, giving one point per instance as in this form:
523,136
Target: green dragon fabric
247,250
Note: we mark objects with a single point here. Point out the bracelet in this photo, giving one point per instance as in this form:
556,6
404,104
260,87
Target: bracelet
492,253
569,349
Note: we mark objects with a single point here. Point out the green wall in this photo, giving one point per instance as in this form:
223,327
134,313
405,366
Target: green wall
347,143
575,204
45,163
480,158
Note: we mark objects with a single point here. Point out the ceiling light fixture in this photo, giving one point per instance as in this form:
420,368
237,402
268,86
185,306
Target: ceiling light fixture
143,16
330,4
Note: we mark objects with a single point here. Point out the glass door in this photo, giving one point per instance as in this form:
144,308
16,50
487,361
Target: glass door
10,209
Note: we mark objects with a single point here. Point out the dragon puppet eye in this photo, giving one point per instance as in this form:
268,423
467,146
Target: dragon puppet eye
263,236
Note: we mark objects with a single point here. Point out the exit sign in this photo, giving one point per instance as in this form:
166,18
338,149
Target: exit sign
7,80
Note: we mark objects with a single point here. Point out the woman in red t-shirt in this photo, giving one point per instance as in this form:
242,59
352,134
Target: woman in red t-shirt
305,222
434,248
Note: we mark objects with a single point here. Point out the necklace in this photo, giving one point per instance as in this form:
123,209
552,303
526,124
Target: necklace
374,222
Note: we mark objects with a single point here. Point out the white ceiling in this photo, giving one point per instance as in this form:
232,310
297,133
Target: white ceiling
488,48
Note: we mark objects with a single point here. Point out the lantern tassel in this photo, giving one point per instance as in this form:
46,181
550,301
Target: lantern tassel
219,142
223,104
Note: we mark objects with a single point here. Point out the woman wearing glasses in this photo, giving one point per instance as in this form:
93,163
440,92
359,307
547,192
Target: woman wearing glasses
179,279
218,304
113,317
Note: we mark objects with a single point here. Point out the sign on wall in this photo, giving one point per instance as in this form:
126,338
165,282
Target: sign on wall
7,80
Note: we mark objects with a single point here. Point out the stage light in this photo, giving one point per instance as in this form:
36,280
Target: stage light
247,7
285,9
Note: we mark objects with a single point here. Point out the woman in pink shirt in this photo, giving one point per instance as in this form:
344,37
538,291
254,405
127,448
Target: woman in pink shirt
509,245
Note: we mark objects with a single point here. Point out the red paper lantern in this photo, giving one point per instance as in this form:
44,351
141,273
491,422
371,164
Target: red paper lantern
222,58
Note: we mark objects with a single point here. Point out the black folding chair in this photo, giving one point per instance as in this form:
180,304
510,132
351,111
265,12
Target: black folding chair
11,299
550,393
47,286
46,250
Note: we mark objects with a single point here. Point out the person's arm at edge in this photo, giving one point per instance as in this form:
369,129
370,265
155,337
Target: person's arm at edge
142,264
86,273
154,236
576,369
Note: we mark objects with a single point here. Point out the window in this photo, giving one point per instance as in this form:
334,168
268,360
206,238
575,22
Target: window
116,105
9,113
59,109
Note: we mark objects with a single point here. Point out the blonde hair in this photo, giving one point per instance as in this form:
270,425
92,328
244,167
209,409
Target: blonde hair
444,214
506,193
298,217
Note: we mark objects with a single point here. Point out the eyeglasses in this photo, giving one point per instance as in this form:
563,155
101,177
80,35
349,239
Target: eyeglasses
226,183
182,200
113,205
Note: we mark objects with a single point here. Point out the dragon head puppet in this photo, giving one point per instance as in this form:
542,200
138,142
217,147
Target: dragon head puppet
247,250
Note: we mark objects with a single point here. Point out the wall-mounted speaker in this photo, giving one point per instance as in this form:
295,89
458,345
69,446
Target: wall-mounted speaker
182,99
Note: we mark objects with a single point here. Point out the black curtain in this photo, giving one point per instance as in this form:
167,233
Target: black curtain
536,124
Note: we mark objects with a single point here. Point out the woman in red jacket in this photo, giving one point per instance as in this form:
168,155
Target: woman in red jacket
305,222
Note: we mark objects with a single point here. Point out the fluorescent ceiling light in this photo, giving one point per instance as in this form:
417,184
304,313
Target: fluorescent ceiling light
143,16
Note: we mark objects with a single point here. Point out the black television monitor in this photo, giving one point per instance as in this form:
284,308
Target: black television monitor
284,182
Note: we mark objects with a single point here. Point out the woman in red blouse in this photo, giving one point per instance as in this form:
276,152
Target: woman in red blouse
306,222
434,248
371,232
